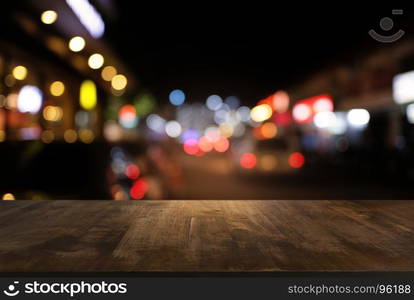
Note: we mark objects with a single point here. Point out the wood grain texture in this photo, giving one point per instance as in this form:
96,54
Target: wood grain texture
206,235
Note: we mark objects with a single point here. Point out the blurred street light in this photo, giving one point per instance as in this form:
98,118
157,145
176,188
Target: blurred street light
57,88
49,17
261,113
88,95
30,99
88,16
358,117
20,72
96,61
108,73
119,82
76,44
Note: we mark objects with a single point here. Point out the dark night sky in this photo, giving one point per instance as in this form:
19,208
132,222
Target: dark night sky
248,50
245,50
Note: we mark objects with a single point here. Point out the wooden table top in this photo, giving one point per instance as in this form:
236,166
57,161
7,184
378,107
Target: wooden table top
206,235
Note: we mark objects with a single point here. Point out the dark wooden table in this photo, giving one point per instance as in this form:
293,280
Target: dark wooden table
206,236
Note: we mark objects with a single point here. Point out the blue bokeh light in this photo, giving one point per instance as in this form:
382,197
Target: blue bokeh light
177,97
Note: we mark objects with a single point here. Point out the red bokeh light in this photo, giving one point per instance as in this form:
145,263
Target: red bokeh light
222,145
139,189
191,147
127,112
248,160
204,144
132,171
280,101
304,110
296,160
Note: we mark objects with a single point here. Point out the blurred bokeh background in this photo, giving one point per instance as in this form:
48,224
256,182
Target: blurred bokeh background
103,99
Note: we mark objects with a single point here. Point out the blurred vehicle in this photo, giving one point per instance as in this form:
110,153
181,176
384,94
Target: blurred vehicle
270,157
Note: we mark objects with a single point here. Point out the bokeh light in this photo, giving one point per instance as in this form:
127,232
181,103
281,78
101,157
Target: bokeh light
173,129
232,101
301,112
88,95
108,73
20,72
212,133
52,113
177,97
214,102
268,130
132,171
139,189
323,104
222,145
190,134
70,136
205,145
119,82
77,44
226,129
8,197
248,160
96,61
243,113
280,101
49,17
30,99
128,116
358,117
156,123
47,136
57,88
410,113
261,113
324,119
190,146
296,160
86,136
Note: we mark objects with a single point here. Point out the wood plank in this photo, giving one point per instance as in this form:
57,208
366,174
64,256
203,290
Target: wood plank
206,235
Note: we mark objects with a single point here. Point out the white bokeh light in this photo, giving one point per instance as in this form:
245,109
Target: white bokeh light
173,129
29,99
358,117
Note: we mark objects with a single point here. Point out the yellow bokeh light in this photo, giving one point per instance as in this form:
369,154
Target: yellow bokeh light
49,17
86,136
268,130
57,88
70,136
261,113
119,82
96,61
108,73
53,113
47,136
226,129
20,72
76,44
88,95
8,196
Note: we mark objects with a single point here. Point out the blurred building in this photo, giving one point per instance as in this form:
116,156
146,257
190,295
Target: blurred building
58,74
